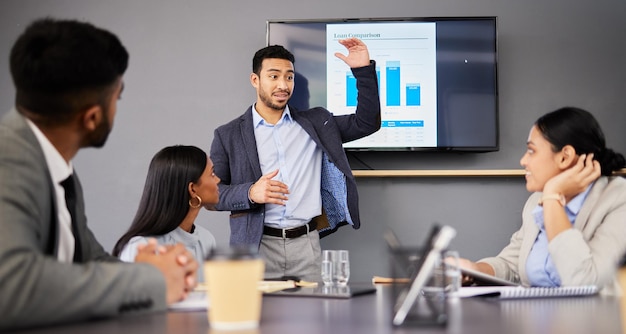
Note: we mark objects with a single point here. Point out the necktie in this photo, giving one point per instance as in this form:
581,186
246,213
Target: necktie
69,185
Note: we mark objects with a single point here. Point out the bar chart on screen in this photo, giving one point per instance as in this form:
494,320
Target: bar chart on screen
405,55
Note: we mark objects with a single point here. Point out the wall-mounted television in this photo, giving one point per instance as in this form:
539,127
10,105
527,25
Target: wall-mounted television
437,78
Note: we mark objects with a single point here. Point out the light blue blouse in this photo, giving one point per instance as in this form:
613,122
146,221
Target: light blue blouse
539,266
199,243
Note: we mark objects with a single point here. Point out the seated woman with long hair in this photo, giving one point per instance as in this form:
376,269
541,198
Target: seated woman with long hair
179,184
573,229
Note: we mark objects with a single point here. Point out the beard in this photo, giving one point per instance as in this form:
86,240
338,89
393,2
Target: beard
267,100
99,137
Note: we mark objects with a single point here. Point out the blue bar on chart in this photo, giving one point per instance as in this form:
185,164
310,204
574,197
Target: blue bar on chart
378,78
413,94
393,83
351,90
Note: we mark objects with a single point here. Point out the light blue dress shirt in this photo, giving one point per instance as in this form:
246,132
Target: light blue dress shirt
539,266
287,147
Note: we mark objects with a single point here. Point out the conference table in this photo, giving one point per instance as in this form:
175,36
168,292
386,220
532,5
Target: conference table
371,313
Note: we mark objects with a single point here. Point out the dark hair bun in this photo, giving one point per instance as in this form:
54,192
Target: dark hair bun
610,161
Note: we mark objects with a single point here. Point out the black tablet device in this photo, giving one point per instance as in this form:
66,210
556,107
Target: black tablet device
481,278
327,291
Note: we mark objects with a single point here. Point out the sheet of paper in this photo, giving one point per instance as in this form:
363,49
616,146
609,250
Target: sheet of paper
195,301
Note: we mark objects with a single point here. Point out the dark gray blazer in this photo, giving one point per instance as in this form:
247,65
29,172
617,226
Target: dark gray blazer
35,288
236,160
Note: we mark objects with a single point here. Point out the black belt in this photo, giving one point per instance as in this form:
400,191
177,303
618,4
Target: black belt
289,233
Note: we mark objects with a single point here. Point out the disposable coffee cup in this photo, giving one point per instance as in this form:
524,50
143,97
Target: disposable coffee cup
232,277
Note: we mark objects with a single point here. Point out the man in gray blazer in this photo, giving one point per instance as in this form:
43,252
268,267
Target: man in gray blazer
68,78
280,168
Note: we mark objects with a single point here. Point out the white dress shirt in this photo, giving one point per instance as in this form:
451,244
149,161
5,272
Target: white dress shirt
59,171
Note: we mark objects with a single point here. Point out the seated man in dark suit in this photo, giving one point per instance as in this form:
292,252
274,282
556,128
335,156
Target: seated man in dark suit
68,78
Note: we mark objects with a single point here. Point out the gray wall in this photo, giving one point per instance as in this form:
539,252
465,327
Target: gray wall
189,70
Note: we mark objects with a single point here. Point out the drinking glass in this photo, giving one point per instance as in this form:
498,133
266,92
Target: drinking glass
342,268
452,274
328,266
445,280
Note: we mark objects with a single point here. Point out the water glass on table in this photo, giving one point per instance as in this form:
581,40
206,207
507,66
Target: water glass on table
335,267
328,260
452,274
445,280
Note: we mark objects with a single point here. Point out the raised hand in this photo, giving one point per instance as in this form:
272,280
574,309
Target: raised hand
266,190
358,56
575,179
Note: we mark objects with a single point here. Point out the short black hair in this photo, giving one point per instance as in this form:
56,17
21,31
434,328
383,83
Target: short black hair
60,67
272,51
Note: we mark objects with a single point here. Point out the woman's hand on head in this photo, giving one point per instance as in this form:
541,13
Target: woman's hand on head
575,179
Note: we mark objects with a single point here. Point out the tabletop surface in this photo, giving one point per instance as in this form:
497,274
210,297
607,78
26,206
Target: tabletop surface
372,314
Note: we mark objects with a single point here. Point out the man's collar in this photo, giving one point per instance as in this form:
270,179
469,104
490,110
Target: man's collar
257,119
58,167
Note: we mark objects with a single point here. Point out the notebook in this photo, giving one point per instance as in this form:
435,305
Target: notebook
519,292
326,291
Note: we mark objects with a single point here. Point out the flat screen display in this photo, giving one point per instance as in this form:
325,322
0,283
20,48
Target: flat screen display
437,78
